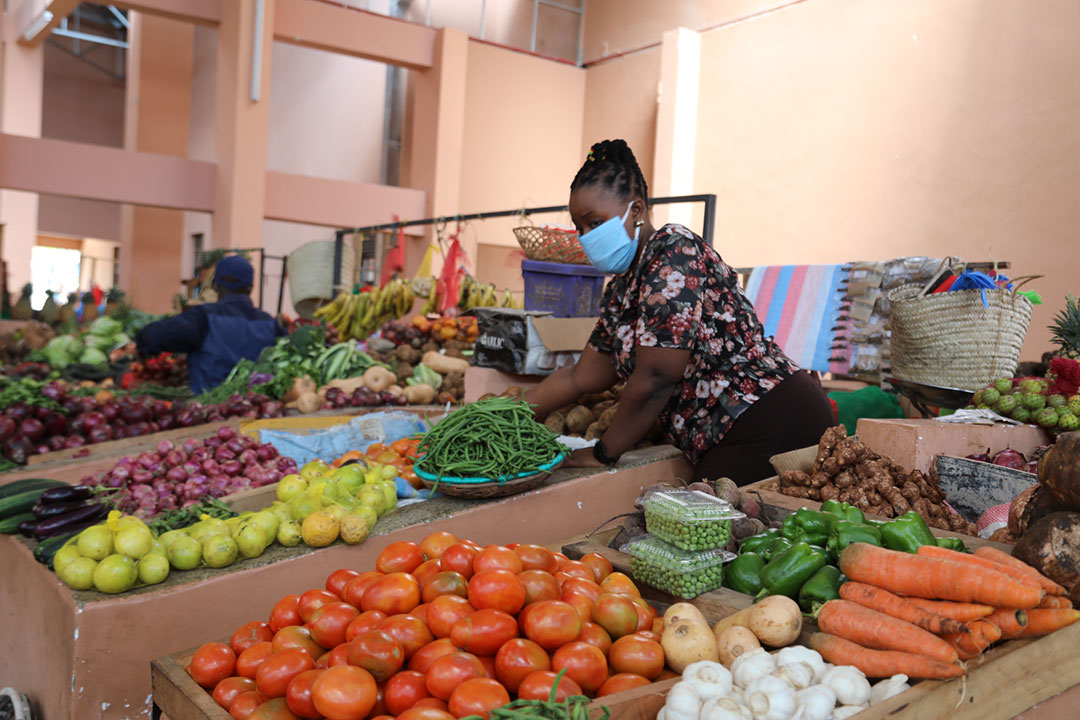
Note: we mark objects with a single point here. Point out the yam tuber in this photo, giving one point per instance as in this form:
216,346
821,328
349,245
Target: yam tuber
579,419
608,416
445,365
1051,545
594,431
1059,470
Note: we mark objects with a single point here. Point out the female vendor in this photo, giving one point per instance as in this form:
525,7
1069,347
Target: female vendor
677,329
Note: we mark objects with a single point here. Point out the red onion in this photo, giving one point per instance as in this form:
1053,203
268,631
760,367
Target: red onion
235,446
232,467
56,442
94,419
111,411
164,446
1010,458
190,468
248,457
74,441
7,427
141,477
176,474
190,444
266,452
147,459
100,434
42,449
32,429
185,418
88,404
94,480
224,455
174,458
166,421
214,442
55,424
226,433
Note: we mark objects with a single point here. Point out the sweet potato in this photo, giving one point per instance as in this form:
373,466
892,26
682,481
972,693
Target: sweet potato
443,364
608,416
579,419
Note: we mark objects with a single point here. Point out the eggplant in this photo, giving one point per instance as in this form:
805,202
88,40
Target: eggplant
64,494
44,512
86,515
26,528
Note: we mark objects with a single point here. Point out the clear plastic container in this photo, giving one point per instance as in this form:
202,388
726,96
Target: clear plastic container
683,574
690,519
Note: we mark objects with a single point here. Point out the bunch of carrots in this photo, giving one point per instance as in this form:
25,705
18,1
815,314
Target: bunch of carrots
922,615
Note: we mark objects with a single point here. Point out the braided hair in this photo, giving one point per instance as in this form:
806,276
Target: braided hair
611,165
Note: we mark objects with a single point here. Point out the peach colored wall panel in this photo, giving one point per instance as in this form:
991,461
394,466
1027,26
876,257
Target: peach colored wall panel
620,102
848,130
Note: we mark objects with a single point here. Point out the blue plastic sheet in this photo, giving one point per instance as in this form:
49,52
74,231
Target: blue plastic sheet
357,434
975,280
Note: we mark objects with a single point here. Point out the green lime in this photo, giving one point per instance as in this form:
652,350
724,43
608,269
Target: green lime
281,511
290,486
269,522
205,529
314,469
389,488
374,497
289,534
219,551
63,556
133,541
153,568
252,539
115,574
79,573
304,504
168,538
367,514
185,553
95,542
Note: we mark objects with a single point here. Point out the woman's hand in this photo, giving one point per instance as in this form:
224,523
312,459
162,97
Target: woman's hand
582,458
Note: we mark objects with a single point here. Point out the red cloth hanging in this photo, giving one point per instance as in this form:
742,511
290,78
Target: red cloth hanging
453,272
395,259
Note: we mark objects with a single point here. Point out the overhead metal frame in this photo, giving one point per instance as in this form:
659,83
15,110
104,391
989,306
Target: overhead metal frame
71,28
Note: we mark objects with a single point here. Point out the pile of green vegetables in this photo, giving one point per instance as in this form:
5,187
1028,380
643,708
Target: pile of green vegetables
799,560
495,438
104,335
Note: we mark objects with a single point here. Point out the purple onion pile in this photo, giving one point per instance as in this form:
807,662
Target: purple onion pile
1007,458
26,430
174,477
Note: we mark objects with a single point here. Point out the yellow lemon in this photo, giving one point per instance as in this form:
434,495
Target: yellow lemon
320,529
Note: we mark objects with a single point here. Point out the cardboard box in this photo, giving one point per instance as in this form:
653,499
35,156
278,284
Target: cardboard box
528,343
913,444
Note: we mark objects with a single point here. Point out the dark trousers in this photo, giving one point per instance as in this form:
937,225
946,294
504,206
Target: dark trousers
793,415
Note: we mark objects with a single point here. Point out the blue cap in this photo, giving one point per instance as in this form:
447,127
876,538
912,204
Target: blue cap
234,273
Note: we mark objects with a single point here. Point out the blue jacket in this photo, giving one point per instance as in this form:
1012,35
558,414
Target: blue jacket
214,336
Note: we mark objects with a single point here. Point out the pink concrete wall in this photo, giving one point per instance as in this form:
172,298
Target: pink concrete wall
522,146
848,130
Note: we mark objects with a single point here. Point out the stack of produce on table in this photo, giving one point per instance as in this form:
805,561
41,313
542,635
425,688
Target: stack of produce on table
331,332
440,630
923,615
175,477
37,417
400,454
495,438
1010,458
429,348
1047,520
165,369
358,315
849,471
592,415
21,500
15,346
800,560
683,551
1052,403
102,337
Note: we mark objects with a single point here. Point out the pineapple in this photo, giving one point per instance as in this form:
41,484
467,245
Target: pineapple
114,301
90,311
22,309
67,312
49,311
1066,329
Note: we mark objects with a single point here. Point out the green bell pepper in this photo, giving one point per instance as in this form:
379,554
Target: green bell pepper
843,511
755,543
809,526
823,586
743,574
777,546
786,572
907,533
952,543
848,532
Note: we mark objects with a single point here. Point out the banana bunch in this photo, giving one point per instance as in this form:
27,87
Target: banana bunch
474,295
341,361
358,316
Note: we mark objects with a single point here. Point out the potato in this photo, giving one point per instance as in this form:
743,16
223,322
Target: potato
728,491
733,642
422,394
396,390
599,408
683,611
445,365
556,423
776,621
579,419
594,431
309,402
607,416
686,643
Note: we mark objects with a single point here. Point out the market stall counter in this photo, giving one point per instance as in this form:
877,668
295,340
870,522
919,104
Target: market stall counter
108,642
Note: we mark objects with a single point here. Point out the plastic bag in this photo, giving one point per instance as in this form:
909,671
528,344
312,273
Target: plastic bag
357,434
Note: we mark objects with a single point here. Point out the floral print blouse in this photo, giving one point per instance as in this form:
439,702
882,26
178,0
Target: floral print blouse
680,294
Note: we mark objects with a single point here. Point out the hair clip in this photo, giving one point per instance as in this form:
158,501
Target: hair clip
591,157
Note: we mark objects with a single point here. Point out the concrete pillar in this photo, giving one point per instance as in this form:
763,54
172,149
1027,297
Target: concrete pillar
157,120
241,124
437,126
21,82
676,124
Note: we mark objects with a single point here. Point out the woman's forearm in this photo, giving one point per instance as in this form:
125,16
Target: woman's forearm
640,405
555,391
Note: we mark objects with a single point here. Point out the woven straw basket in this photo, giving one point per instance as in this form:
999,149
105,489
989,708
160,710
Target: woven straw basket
952,340
548,244
311,274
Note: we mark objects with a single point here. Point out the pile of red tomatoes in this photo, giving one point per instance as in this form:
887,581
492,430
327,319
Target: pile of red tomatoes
437,631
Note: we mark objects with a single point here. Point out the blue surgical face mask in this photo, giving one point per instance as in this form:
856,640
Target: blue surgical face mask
609,247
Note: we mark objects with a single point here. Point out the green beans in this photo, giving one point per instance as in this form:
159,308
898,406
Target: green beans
494,438
575,707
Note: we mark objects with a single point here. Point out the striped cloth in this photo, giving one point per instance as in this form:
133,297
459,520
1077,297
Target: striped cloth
799,305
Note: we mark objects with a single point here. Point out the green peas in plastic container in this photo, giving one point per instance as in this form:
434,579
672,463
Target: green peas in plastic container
689,519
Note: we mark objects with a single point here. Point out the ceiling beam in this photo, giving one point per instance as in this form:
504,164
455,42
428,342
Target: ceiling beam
331,27
337,203
199,12
35,19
